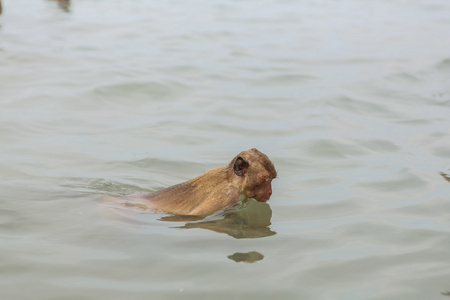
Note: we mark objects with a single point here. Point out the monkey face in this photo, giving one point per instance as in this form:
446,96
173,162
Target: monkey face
258,172
260,191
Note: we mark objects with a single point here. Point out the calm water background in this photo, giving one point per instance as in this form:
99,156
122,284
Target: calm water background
350,99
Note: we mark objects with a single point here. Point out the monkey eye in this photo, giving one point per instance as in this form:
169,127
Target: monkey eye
267,179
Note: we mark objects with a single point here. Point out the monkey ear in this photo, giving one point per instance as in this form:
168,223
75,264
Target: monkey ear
240,166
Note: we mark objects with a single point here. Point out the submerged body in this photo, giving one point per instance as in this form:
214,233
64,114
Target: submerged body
249,173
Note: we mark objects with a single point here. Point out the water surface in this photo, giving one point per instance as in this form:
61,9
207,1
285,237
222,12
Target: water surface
350,99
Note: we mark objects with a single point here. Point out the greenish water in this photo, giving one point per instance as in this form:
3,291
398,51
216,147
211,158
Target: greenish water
350,99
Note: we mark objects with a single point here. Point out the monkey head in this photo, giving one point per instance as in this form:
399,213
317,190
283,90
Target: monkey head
256,172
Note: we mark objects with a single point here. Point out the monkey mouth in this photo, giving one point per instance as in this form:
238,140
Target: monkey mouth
262,199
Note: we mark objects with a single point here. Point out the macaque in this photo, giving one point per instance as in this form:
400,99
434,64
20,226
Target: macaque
250,173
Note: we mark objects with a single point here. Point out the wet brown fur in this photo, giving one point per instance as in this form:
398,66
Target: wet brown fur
249,173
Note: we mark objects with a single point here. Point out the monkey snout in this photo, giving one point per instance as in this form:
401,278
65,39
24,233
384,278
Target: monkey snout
264,197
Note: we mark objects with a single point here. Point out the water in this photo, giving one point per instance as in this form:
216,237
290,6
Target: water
350,99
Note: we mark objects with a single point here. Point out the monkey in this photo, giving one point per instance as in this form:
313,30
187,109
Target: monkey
250,173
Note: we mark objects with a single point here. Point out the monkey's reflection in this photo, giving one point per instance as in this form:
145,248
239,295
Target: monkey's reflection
64,5
250,220
249,257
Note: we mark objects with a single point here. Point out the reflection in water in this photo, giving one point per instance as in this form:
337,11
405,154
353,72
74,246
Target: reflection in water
247,219
249,257
250,220
63,4
446,293
1,7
